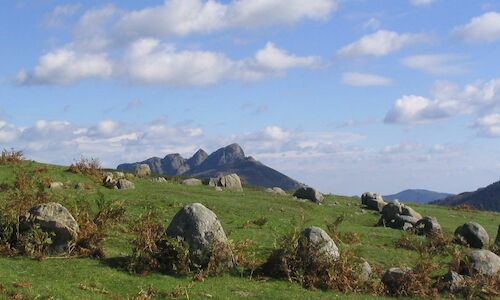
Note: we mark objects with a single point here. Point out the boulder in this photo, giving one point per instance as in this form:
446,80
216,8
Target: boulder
118,175
453,282
408,211
159,180
316,238
366,271
200,228
428,226
473,234
231,182
56,185
392,210
309,193
192,181
484,262
373,201
55,219
124,184
392,278
109,182
142,170
276,191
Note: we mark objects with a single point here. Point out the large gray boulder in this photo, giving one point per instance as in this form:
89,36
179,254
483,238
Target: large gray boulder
408,211
316,238
373,201
230,181
55,219
484,262
392,278
124,184
142,170
309,193
473,234
200,228
192,181
428,226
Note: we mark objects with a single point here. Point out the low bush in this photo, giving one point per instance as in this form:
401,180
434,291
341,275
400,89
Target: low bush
90,167
11,157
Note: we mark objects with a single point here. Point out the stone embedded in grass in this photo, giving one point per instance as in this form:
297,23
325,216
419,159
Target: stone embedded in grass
229,181
484,262
201,229
56,185
309,193
142,170
192,181
366,271
317,239
393,278
276,191
473,234
124,184
428,226
55,219
373,201
453,282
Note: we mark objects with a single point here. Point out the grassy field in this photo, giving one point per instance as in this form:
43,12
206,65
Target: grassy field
65,278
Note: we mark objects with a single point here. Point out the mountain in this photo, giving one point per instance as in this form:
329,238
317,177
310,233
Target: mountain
487,198
230,159
417,196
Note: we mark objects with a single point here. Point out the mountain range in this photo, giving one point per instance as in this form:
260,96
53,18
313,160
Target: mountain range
487,198
417,196
229,159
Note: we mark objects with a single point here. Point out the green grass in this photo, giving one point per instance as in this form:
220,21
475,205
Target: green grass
94,279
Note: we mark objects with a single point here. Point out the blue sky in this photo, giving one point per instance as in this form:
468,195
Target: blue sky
348,96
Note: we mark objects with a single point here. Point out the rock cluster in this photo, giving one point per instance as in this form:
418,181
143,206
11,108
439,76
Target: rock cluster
229,181
117,181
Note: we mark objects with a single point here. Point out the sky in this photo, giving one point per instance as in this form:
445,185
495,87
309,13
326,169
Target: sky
344,95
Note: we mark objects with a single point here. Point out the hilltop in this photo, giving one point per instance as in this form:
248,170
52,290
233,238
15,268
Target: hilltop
487,198
229,159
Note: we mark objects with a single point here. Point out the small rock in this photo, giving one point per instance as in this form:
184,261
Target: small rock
317,238
309,193
473,234
124,184
276,191
366,271
453,282
159,180
56,185
142,170
192,182
79,186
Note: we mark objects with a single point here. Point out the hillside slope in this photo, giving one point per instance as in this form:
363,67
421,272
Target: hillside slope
417,196
229,159
487,198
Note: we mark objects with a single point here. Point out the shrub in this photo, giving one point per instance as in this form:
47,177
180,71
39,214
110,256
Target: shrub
87,166
11,157
434,243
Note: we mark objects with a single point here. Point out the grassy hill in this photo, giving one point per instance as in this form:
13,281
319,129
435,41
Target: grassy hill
63,278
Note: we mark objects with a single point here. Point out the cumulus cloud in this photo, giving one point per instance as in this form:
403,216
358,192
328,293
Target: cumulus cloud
437,64
183,17
488,125
365,79
60,12
381,43
448,100
484,28
66,66
421,2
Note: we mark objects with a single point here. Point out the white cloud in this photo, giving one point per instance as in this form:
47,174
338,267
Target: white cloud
437,64
484,28
381,43
60,12
8,132
448,100
365,79
66,66
372,23
488,125
401,148
183,17
421,2
277,59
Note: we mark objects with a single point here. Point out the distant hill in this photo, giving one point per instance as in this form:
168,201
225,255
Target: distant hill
417,196
230,159
487,198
